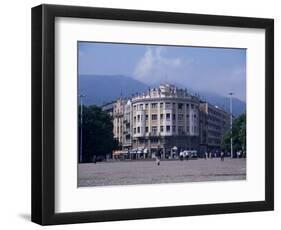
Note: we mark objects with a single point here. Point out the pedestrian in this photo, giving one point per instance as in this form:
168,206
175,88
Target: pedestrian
158,161
238,154
206,155
181,156
222,156
158,155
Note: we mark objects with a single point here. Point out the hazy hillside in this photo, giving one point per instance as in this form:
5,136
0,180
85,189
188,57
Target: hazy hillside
102,89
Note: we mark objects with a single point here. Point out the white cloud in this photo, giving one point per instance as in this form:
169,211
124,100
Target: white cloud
154,67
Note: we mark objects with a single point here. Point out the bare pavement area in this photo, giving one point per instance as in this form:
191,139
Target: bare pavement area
169,171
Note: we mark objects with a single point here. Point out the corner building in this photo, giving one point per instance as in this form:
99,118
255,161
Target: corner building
165,117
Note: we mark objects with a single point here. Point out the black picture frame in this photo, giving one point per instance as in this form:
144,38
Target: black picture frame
43,114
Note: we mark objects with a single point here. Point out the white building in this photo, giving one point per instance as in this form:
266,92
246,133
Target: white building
167,118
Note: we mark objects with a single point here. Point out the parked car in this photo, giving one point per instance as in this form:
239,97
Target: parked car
193,154
188,154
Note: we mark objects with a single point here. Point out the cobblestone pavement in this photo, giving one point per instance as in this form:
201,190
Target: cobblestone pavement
147,172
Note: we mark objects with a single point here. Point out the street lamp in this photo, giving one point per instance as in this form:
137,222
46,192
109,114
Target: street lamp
231,141
81,127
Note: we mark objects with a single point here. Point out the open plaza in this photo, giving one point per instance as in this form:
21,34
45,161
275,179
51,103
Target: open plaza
169,171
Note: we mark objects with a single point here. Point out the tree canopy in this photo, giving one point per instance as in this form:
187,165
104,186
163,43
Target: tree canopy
238,135
97,133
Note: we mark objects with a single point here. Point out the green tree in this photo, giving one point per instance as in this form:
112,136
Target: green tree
238,135
97,133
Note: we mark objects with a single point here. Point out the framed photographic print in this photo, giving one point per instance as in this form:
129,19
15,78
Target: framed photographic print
142,114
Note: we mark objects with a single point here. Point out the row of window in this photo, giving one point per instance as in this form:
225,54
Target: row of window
213,126
152,140
167,105
154,117
212,118
214,133
154,129
214,141
218,114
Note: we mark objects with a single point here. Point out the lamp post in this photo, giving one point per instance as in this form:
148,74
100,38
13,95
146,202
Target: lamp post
81,128
231,140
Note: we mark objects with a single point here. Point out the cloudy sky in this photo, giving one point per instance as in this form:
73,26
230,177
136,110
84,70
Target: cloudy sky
214,70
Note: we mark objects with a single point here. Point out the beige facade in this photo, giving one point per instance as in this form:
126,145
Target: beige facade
118,120
127,125
167,117
216,122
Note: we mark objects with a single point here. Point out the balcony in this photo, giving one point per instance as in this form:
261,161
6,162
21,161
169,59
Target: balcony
154,134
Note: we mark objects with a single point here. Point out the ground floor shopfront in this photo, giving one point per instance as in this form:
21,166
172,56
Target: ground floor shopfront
169,147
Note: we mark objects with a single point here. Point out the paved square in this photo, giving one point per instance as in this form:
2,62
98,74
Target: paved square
147,172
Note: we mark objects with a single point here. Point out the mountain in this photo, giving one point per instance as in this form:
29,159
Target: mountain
100,89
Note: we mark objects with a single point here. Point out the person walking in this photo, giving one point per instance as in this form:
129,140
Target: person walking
181,156
187,156
158,155
238,154
222,156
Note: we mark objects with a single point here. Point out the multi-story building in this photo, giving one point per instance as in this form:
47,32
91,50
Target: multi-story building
168,118
127,126
214,121
118,120
165,117
108,108
120,111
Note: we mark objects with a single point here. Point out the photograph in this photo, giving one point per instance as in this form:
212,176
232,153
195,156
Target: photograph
142,113
153,114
